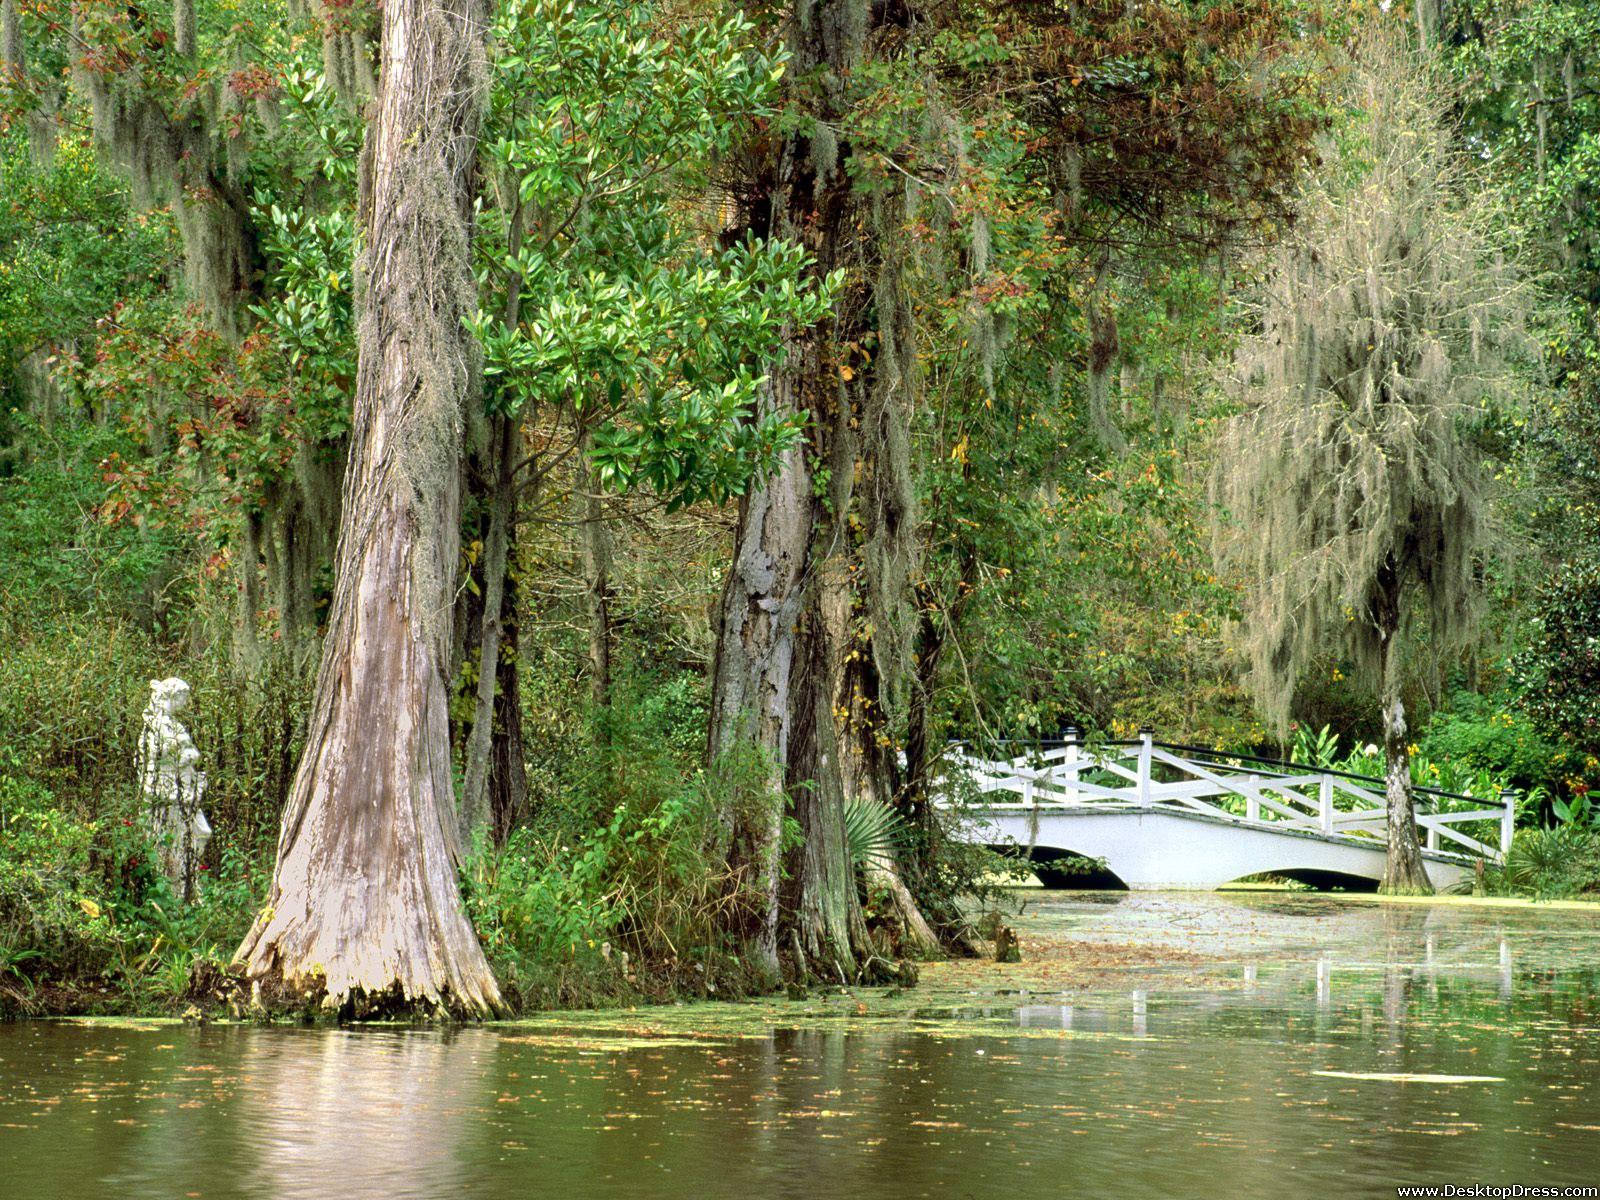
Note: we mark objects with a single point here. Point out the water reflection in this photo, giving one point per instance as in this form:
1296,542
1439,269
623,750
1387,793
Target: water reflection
1282,1076
303,1093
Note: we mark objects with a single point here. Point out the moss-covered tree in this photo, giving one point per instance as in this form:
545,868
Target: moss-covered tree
364,906
1353,495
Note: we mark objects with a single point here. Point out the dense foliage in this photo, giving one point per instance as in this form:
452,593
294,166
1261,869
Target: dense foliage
1004,349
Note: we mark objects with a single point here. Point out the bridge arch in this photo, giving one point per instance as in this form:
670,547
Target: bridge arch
1068,870
1164,847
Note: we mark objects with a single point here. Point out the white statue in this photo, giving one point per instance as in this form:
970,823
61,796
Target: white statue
172,786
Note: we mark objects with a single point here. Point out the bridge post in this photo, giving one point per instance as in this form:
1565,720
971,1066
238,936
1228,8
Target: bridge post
1508,821
1325,803
1070,736
1146,735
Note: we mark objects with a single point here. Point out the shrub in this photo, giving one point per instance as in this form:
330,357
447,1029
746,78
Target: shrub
611,888
83,909
1559,672
55,917
1490,734
1551,863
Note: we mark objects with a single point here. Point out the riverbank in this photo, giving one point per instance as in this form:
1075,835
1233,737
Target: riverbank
1072,943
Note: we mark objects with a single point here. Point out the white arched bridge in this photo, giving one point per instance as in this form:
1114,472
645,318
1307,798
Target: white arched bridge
1159,815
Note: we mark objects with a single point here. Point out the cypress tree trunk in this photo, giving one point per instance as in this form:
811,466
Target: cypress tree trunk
752,676
772,685
821,547
827,931
1403,869
864,606
365,903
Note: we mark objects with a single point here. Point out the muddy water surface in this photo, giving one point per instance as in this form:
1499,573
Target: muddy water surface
1152,1045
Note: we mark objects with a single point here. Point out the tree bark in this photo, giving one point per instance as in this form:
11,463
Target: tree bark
862,591
1403,869
828,931
365,905
752,676
246,555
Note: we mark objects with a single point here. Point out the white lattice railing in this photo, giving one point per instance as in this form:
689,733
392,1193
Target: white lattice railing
1147,774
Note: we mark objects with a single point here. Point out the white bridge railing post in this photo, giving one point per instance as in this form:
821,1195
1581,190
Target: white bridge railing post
1325,803
1146,736
1069,787
1508,820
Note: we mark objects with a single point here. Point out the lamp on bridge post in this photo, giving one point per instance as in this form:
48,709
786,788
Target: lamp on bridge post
1508,820
1147,735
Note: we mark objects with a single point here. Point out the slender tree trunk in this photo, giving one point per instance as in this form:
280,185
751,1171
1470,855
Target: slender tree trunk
478,758
1403,869
495,783
365,905
597,582
912,798
1541,119
508,768
1429,16
505,782
247,571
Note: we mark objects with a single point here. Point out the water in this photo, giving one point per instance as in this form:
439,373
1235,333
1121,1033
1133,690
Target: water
1226,1046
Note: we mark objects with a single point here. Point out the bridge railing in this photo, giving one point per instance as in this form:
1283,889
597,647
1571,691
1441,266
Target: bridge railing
1146,773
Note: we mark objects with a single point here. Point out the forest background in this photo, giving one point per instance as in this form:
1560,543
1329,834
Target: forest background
1056,240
